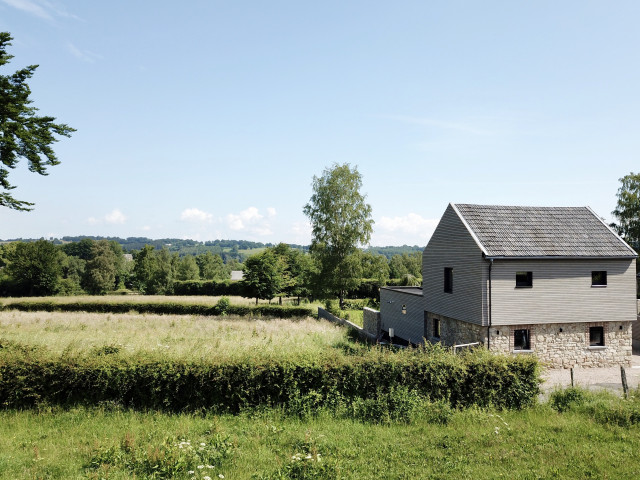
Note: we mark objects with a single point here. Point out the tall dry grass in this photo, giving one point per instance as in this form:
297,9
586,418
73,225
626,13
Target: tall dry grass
176,336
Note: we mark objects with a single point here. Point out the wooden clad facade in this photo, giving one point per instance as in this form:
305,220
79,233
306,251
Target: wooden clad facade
561,292
410,325
452,246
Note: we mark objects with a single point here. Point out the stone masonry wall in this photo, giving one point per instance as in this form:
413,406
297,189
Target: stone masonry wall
570,347
371,321
557,345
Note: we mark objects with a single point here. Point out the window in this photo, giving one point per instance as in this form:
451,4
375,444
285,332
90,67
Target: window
524,279
521,340
436,327
599,278
596,336
448,280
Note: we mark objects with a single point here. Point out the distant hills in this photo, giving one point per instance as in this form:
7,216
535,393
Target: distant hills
238,249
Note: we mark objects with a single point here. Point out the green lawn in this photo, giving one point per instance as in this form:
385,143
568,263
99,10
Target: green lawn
535,443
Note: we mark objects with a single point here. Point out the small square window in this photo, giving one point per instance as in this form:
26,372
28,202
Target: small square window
436,327
448,280
524,279
596,336
599,278
521,340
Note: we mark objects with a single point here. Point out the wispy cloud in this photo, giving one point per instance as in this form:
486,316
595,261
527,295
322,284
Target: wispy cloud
41,8
465,127
196,215
84,55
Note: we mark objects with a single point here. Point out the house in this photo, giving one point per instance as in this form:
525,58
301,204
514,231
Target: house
554,282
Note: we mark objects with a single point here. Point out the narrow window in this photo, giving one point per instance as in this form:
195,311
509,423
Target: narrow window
596,336
524,279
599,278
436,327
521,340
448,280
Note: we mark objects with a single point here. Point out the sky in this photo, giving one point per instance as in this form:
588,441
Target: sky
209,119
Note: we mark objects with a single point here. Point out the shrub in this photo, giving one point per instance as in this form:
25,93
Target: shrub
567,398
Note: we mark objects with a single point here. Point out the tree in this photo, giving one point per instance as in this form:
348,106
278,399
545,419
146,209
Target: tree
101,269
341,222
34,268
212,267
375,267
187,269
23,134
627,210
263,275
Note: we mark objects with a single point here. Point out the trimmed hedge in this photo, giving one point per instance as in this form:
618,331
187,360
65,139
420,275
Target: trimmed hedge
208,287
163,308
30,377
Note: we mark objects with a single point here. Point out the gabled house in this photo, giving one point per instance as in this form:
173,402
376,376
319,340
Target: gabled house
554,282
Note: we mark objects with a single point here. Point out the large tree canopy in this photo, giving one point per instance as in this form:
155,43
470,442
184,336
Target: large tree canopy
341,222
627,210
23,134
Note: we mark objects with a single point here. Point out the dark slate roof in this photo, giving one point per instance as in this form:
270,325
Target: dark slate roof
541,232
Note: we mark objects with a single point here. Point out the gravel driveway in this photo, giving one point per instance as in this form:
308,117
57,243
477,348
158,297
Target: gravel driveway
594,378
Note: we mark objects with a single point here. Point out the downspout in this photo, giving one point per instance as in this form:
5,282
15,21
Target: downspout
489,326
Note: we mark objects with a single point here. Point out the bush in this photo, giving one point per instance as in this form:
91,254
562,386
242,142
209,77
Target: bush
567,398
164,308
397,382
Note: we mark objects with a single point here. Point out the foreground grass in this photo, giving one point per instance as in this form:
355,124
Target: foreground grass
175,336
534,443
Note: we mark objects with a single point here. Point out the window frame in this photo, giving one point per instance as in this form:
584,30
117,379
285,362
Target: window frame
527,343
527,282
448,279
598,278
592,344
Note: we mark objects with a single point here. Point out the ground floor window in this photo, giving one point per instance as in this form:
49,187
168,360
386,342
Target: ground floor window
436,327
596,336
522,339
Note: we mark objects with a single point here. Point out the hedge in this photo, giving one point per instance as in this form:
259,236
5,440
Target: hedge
29,378
208,287
163,308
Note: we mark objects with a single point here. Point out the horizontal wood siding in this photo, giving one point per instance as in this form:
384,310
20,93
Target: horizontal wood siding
409,326
562,292
453,246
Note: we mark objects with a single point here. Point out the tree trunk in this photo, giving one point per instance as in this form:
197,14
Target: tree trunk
280,300
256,300
341,300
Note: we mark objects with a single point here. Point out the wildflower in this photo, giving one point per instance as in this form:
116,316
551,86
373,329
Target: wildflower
497,430
210,467
200,467
202,444
207,477
191,472
220,475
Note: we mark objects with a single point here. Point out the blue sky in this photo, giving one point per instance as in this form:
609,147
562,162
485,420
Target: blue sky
209,119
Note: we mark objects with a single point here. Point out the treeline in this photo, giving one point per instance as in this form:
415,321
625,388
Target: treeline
88,266
227,249
96,267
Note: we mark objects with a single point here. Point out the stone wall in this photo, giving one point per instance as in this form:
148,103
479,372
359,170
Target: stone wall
557,345
566,345
366,336
371,322
455,332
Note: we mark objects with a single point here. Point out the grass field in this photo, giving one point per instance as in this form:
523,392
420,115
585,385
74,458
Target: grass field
536,443
186,300
191,337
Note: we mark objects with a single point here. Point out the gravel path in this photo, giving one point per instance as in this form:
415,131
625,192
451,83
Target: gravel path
594,378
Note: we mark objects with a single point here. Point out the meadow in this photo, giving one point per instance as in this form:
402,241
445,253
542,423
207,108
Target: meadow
173,336
391,434
109,443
